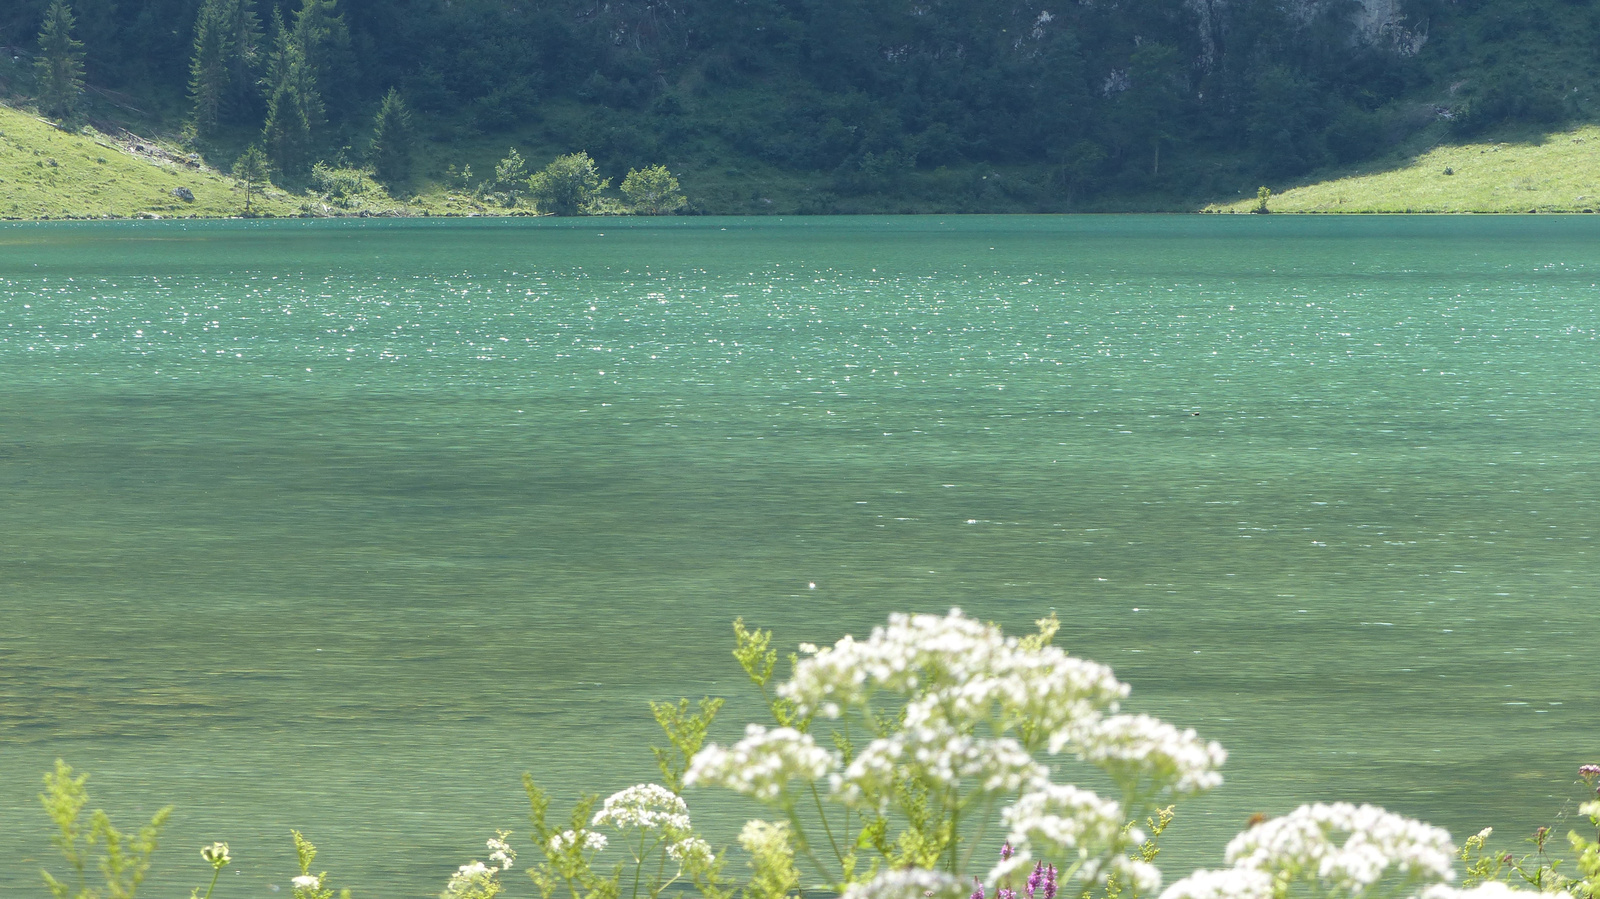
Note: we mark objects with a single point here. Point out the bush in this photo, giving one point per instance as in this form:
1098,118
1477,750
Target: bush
568,186
653,191
346,188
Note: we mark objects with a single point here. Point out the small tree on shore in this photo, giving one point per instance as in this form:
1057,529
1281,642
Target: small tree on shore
60,62
392,139
653,191
251,170
567,186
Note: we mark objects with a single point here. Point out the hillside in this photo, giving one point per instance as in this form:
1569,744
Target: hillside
46,173
796,106
1559,172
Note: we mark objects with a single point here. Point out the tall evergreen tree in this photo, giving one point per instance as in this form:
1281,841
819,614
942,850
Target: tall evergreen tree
60,63
294,107
392,139
244,29
324,41
210,70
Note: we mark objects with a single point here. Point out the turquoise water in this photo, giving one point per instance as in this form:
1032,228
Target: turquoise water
342,526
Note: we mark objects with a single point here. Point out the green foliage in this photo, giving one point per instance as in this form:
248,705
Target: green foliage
124,859
567,186
346,188
209,70
1263,194
653,191
308,885
686,732
773,874
393,139
294,106
251,171
59,66
510,179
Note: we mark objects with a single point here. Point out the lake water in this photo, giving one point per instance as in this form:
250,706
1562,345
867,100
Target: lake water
344,525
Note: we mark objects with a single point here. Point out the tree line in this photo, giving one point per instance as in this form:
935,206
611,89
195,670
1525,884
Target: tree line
1108,96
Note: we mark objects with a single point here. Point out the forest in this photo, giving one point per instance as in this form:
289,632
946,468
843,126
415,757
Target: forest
964,105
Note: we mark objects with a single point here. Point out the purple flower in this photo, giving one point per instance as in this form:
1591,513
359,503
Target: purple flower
977,889
1050,882
1589,771
1003,893
1006,851
1035,878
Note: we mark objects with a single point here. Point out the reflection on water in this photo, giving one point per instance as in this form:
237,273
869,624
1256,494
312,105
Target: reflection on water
342,526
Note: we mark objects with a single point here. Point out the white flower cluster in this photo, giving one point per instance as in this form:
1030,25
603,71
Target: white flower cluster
306,882
954,667
691,851
1061,821
1303,846
588,839
762,764
937,752
1229,883
476,879
908,883
1492,889
500,852
646,807
1152,753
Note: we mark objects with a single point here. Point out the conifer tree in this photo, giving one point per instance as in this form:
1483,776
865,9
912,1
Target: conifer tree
60,63
210,70
251,170
294,107
392,139
244,30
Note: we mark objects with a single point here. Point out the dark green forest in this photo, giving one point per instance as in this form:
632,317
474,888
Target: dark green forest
828,105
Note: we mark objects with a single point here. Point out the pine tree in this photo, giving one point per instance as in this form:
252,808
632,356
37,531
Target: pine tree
294,108
60,63
251,170
392,139
244,30
209,70
323,38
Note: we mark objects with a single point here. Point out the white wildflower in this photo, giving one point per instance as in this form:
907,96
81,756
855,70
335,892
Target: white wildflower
935,752
647,807
1592,809
1139,749
471,881
500,852
691,851
957,668
762,764
908,883
1061,821
1492,889
306,882
591,841
1229,883
1302,845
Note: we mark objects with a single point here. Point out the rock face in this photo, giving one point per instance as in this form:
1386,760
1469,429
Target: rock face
184,194
1378,23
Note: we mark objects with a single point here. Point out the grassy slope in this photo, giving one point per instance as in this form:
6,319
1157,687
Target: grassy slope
49,173
1556,173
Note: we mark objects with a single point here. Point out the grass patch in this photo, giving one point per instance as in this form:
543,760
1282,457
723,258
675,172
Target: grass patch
47,173
1559,172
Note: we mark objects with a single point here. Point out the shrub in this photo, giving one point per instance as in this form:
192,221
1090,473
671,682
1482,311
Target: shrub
653,191
567,186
